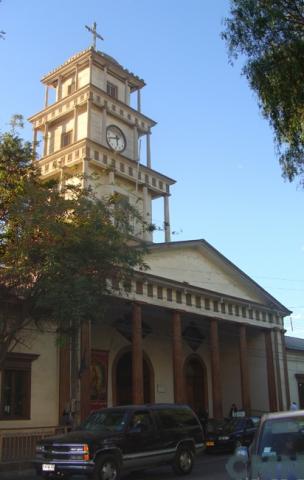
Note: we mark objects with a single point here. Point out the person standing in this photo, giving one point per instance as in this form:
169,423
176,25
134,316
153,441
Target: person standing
293,406
233,410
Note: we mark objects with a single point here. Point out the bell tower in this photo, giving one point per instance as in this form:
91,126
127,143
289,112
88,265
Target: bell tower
91,127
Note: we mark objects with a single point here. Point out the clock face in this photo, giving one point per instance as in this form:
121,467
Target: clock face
115,138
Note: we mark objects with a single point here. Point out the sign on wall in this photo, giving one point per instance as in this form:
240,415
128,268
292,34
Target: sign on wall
99,379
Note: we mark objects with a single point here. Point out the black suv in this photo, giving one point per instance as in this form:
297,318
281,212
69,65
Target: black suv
128,438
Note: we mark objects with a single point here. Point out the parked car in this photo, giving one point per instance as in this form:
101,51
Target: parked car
229,434
130,438
277,450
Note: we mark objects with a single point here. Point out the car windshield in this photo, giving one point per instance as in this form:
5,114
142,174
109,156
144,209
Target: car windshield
282,437
105,420
214,426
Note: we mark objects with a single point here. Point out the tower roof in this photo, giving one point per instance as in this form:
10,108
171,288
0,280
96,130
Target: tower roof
100,57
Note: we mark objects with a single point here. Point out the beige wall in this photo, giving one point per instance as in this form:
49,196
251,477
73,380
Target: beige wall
44,381
98,79
190,265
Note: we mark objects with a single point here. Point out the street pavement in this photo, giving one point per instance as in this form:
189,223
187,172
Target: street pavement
207,467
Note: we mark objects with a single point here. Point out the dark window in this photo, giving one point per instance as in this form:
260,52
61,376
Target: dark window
223,308
96,155
215,306
159,293
244,312
207,304
198,302
188,299
16,386
169,294
178,296
112,90
150,290
66,139
230,310
71,88
237,310
139,288
176,418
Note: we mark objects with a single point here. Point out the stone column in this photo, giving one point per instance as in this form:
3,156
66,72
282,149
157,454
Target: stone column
34,142
104,126
138,101
46,96
270,372
286,378
245,377
89,118
216,370
149,149
45,138
135,141
90,70
145,212
137,356
126,92
177,349
59,88
105,78
278,369
85,369
167,219
75,129
76,77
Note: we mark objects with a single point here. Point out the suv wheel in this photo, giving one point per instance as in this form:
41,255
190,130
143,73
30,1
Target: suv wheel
106,468
183,462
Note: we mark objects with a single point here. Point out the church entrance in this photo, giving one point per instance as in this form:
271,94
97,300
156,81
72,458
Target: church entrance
124,380
196,384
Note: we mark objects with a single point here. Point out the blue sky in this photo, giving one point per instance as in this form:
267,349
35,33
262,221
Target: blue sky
210,135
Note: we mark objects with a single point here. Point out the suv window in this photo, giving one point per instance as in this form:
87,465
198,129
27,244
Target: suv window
282,437
176,418
105,420
141,422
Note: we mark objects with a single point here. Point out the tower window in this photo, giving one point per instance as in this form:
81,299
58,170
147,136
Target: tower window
71,88
66,139
112,90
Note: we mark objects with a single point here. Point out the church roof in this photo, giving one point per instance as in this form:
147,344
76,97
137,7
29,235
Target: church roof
212,252
294,343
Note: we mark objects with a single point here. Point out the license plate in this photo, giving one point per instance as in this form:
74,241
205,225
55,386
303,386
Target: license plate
48,467
210,444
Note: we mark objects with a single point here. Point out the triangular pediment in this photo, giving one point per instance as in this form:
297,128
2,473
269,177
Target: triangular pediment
199,264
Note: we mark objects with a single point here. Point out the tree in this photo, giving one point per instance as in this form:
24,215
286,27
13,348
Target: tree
58,250
270,35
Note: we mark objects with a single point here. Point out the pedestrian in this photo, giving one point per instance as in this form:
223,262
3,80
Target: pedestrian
294,406
233,410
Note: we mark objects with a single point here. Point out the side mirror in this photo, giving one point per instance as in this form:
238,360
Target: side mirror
242,452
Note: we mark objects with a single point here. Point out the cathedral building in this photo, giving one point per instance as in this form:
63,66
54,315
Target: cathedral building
194,328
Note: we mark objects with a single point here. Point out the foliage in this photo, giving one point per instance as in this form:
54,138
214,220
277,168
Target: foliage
270,35
58,249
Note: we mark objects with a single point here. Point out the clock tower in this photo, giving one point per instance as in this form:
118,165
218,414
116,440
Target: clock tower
91,127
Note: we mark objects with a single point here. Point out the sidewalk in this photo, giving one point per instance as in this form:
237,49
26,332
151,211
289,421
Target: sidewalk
10,471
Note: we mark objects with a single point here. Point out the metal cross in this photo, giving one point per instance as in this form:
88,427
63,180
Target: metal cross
94,33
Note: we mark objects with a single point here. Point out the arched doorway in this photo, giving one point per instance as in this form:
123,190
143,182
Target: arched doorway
196,383
122,379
